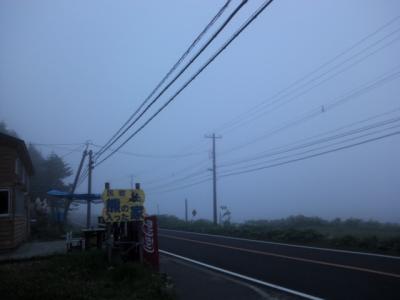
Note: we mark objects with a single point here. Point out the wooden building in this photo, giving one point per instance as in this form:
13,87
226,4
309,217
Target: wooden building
15,172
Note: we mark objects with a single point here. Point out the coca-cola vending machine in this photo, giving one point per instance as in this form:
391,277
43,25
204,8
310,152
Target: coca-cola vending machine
150,242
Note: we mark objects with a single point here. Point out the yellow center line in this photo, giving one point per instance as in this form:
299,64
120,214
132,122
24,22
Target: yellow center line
320,262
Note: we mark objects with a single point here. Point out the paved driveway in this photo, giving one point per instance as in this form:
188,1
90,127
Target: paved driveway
34,249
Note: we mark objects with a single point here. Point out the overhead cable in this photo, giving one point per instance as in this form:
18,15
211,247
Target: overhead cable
226,44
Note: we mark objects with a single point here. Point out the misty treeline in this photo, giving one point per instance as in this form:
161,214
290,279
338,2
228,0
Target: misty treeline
352,234
49,173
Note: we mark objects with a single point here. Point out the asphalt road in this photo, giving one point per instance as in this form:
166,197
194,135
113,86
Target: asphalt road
327,274
192,282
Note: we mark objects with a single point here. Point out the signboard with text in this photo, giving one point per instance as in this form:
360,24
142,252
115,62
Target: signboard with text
123,205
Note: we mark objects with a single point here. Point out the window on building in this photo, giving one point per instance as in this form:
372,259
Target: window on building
4,201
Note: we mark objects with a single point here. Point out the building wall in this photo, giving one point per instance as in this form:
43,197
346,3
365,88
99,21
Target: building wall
20,230
14,227
6,233
13,231
7,166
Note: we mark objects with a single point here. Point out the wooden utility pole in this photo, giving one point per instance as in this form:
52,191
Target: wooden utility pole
88,212
214,170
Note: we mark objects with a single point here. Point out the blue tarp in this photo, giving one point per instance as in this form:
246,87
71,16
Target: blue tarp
61,194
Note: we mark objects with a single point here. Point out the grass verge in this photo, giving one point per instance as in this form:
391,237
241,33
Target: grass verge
350,234
84,275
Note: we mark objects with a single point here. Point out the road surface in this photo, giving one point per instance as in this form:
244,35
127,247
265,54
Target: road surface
192,282
308,271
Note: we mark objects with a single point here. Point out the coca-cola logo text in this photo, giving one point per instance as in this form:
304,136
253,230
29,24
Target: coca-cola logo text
148,236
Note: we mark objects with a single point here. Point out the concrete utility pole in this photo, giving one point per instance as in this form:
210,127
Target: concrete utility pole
77,176
186,210
89,188
78,173
214,170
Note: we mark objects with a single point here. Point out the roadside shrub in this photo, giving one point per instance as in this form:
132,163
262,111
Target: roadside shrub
347,234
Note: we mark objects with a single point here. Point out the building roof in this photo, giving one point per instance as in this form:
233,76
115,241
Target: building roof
20,147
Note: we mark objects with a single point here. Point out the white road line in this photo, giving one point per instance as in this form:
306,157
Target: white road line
244,277
284,244
256,289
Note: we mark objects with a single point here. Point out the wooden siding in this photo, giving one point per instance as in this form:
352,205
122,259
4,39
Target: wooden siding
13,231
7,166
6,233
7,169
20,232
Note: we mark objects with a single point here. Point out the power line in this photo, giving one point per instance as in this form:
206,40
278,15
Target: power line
226,44
174,67
153,155
312,155
367,87
313,113
78,149
278,105
256,108
190,175
322,141
59,146
275,150
354,92
161,168
354,46
188,64
50,145
259,168
182,187
318,110
294,146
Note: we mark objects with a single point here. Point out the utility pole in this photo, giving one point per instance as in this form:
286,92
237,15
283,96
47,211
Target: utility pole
214,170
186,210
158,210
78,174
89,188
132,181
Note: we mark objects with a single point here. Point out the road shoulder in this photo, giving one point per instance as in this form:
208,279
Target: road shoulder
196,282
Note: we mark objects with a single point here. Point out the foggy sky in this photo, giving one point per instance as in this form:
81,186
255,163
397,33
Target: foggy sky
72,71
